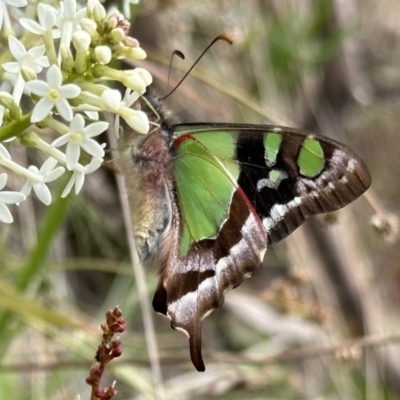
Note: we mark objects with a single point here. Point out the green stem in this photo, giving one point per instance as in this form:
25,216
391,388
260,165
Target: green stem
52,222
52,123
15,128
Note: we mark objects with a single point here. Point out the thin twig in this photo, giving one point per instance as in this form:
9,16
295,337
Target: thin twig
140,281
283,357
312,352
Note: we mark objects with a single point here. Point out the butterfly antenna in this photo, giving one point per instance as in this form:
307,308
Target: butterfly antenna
223,37
177,53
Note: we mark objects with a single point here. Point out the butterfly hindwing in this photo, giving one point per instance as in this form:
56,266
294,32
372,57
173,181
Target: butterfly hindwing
221,241
239,188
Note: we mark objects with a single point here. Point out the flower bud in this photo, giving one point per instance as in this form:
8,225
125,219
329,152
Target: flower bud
118,48
90,6
138,121
112,23
99,393
28,74
118,34
136,53
67,60
89,26
81,40
137,80
134,82
103,54
111,100
145,75
116,353
114,13
117,312
99,13
91,381
131,42
7,101
29,139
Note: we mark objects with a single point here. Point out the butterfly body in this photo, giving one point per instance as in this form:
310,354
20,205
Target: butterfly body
149,176
207,200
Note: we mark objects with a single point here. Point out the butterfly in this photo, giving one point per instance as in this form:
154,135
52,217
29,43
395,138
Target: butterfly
207,199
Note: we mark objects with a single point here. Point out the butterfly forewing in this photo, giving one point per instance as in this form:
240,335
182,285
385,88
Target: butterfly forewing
287,174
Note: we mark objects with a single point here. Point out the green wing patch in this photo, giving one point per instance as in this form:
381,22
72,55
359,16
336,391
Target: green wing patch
272,143
311,158
221,144
204,187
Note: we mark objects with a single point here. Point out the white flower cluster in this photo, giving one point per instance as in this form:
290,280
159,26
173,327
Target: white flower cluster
72,46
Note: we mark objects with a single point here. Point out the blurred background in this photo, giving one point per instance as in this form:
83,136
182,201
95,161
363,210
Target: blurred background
321,319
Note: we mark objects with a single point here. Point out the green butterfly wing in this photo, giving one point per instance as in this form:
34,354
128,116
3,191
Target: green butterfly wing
204,192
239,188
280,167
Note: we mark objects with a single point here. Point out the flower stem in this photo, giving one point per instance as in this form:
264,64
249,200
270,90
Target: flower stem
50,49
15,128
52,221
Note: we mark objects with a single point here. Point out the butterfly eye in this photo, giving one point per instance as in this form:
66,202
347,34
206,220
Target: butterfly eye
154,102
